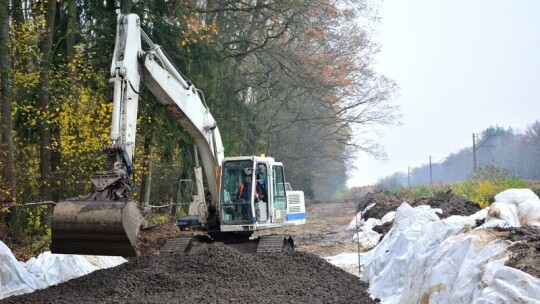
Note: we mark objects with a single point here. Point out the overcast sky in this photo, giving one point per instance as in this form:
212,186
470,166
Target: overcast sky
462,66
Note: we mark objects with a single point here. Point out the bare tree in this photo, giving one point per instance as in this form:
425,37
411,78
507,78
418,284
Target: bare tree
7,177
305,70
45,102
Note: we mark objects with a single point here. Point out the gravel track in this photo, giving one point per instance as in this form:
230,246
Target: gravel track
218,274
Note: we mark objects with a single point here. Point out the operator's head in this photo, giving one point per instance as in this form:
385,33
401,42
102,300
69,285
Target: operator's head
247,174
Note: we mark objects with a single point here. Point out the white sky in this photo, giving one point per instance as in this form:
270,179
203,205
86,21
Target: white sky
462,66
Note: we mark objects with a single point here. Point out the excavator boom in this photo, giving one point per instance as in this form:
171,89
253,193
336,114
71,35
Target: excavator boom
107,221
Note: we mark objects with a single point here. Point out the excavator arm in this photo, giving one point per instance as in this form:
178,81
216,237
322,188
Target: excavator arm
106,222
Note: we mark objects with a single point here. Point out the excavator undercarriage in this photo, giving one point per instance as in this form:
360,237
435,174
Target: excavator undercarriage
261,244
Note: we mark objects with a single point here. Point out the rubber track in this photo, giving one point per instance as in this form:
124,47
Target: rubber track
176,246
271,243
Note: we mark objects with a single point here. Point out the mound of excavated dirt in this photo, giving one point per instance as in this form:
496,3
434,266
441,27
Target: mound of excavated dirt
384,202
525,249
150,240
218,274
450,204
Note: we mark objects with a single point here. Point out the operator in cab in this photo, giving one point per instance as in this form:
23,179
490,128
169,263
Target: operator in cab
244,192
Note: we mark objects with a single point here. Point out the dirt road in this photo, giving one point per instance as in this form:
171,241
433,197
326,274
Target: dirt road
324,233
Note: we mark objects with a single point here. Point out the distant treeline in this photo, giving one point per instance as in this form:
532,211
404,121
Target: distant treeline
517,153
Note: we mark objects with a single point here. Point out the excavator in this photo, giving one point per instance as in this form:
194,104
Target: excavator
107,221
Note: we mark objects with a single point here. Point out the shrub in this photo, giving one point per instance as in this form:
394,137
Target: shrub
420,192
487,182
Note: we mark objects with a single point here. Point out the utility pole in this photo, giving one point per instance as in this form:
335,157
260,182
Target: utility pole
484,140
409,176
430,173
474,151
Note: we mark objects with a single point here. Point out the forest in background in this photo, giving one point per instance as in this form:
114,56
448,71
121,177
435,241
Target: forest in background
516,154
289,78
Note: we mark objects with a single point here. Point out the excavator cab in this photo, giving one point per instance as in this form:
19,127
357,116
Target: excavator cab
245,195
238,192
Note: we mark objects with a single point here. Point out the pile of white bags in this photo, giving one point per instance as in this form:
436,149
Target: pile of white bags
423,259
46,270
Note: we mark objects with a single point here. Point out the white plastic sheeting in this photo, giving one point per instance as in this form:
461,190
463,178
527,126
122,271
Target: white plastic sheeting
365,235
348,261
423,259
14,278
514,208
47,269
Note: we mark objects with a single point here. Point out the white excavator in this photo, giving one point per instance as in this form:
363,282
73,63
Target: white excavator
106,222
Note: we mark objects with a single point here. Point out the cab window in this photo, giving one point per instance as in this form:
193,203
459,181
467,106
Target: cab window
280,199
233,209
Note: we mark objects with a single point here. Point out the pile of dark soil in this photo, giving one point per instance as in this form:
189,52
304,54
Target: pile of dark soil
525,249
450,204
219,274
151,239
385,202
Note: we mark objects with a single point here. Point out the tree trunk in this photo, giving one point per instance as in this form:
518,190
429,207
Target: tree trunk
7,174
71,39
44,102
126,6
146,183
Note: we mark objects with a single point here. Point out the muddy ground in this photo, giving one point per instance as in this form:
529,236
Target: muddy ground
220,274
324,233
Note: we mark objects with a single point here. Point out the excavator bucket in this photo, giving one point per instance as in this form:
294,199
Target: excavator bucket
96,227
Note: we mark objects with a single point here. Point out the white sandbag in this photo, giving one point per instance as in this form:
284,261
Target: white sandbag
515,196
452,271
427,260
514,208
57,268
508,285
46,270
529,213
388,217
14,278
388,264
502,215
356,222
367,239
